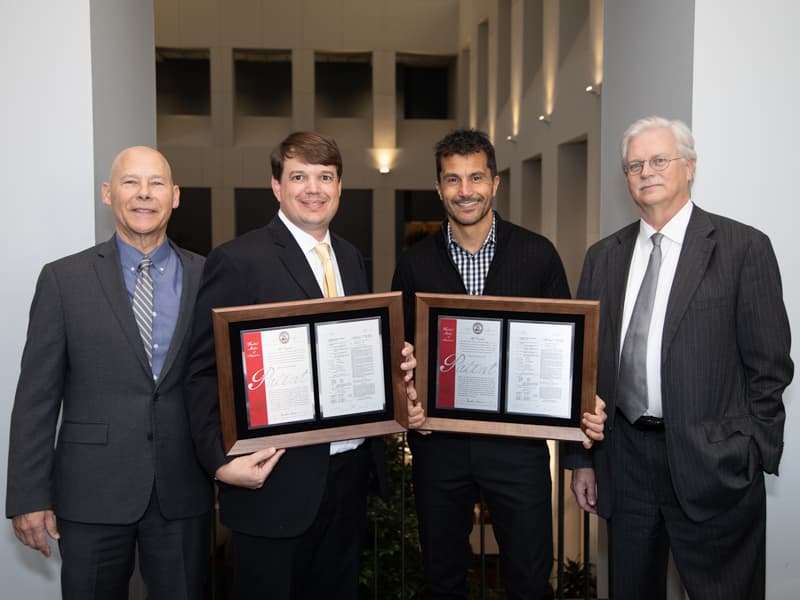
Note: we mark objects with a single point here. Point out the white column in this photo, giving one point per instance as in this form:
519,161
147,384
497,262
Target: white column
79,87
744,116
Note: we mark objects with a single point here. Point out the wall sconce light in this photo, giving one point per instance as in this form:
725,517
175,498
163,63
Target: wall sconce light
545,119
593,89
511,138
385,159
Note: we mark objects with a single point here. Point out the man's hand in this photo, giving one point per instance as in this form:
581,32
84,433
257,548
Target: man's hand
409,363
30,529
416,414
250,471
584,486
594,423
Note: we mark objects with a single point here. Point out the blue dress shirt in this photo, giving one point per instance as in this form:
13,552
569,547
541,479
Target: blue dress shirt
167,274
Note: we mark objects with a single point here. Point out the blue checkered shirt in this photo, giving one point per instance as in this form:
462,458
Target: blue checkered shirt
473,267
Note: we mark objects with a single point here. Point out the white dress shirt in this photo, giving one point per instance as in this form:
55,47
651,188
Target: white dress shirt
674,232
307,243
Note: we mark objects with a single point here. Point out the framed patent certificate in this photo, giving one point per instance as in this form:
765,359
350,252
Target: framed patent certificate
312,371
506,366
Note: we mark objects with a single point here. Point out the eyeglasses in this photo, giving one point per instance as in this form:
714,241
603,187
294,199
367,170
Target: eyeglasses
657,163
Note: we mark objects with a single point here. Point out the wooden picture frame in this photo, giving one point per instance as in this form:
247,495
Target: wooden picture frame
526,367
274,359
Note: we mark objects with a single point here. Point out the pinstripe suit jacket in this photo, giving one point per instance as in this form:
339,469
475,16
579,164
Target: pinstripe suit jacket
724,360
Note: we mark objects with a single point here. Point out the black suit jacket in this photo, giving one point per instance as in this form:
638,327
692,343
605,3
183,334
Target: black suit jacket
525,265
265,265
121,432
724,360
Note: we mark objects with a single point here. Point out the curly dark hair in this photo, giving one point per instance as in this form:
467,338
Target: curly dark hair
464,142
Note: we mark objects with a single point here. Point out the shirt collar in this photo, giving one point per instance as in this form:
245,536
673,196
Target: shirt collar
490,239
305,240
674,230
129,257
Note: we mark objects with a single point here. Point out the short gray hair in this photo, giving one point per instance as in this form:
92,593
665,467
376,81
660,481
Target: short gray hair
683,135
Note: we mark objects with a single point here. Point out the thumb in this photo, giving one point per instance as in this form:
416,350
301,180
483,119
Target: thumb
261,456
50,525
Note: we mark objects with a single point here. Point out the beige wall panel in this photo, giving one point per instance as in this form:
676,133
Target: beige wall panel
223,215
191,167
322,24
255,168
348,133
383,72
165,14
363,25
282,23
422,26
198,23
383,242
384,121
188,130
241,23
261,132
230,162
222,69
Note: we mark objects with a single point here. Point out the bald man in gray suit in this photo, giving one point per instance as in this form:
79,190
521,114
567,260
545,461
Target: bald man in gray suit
122,470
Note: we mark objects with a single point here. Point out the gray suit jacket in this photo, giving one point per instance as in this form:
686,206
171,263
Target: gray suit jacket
724,361
120,432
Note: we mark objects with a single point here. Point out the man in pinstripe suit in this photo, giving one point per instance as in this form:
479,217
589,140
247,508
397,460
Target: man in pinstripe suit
686,470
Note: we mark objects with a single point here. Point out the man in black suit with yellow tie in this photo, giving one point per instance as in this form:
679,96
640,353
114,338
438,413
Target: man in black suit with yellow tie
693,361
297,535
107,349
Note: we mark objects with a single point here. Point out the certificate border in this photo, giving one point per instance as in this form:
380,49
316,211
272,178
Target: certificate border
393,419
534,426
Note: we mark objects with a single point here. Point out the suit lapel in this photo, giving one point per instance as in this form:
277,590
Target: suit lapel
109,274
351,277
290,254
692,264
619,264
192,271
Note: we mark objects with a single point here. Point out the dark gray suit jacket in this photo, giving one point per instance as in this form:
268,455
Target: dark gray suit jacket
724,360
121,432
265,265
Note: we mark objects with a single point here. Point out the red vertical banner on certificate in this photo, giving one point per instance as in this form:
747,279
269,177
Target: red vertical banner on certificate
446,365
254,379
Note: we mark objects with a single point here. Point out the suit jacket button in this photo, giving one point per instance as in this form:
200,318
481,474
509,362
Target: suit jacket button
149,437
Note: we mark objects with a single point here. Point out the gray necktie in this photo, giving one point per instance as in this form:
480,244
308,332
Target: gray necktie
632,382
143,305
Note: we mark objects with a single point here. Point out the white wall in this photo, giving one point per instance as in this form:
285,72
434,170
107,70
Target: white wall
647,70
46,158
53,116
744,113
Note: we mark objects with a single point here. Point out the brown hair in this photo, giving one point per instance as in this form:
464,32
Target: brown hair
309,146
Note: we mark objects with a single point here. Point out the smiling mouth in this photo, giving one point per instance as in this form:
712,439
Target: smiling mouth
314,203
